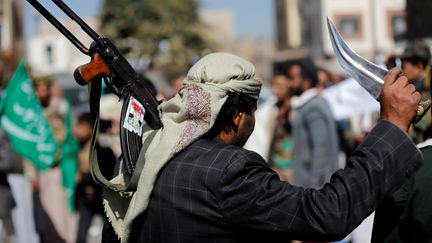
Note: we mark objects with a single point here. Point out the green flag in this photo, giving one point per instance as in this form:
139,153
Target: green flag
69,161
22,117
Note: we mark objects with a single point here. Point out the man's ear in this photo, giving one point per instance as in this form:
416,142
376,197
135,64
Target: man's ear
236,120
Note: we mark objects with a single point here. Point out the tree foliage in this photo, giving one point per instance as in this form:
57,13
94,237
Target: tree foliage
166,32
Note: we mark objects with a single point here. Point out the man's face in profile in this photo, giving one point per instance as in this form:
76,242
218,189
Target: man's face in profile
412,72
281,87
296,79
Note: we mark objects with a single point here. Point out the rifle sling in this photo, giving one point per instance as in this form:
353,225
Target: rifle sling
130,180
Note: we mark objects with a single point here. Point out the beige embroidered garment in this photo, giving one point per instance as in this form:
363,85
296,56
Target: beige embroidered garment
186,117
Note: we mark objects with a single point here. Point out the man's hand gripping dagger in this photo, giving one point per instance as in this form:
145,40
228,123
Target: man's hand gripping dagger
399,99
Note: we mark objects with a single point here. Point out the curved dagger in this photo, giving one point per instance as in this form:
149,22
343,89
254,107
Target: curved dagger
369,75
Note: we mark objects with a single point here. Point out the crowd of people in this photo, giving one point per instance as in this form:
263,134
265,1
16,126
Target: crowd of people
295,133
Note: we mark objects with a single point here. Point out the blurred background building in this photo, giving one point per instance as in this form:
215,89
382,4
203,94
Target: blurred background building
374,29
220,25
221,29
11,26
12,46
50,53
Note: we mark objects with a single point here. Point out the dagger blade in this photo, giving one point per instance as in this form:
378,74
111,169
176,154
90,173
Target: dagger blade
369,75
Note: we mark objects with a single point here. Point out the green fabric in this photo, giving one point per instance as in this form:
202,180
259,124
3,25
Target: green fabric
30,133
22,118
283,157
185,117
69,162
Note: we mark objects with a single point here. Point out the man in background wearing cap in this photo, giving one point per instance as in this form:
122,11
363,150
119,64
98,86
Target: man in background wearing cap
415,62
406,215
416,67
199,185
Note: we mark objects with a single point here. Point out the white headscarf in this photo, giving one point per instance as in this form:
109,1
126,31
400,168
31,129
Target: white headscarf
185,117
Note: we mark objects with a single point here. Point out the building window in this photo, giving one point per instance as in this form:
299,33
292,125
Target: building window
397,26
349,25
49,54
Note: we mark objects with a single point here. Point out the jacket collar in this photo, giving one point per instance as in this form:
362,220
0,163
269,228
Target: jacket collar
298,101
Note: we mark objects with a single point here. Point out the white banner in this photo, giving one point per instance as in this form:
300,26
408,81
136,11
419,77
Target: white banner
348,99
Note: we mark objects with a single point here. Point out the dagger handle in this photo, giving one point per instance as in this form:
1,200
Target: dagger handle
422,109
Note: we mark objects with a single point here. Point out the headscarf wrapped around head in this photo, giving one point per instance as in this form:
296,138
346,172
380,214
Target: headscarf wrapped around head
186,117
226,72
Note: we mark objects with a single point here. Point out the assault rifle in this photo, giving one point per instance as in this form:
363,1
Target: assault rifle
108,63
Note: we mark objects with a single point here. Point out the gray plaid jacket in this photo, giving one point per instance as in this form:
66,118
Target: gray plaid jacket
213,192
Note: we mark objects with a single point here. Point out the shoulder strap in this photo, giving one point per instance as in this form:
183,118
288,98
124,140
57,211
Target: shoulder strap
130,180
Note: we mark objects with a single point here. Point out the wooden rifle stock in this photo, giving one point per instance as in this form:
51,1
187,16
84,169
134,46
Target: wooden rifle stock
96,68
107,61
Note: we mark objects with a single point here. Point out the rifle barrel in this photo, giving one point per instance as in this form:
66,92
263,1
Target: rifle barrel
42,10
69,12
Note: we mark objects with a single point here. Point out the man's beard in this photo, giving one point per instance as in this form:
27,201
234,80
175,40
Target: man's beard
296,92
44,103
